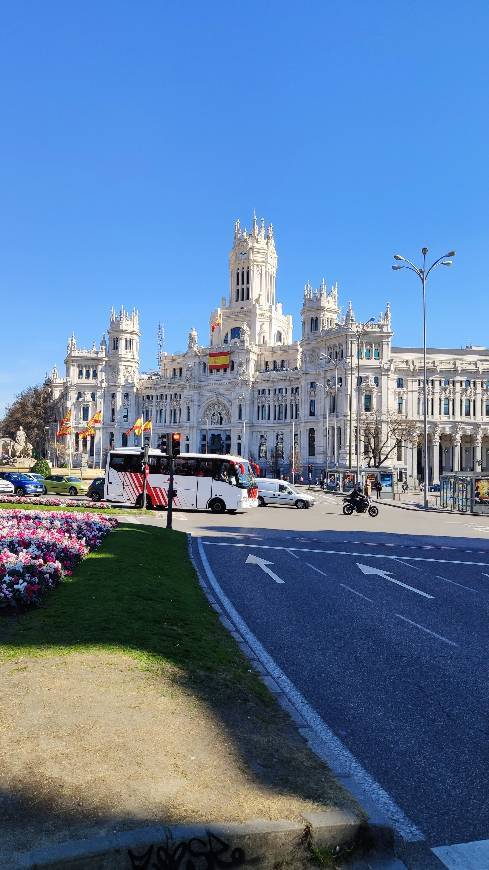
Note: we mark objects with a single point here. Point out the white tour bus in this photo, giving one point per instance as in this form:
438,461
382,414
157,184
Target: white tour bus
201,480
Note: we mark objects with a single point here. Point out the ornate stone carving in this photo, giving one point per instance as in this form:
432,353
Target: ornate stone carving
216,414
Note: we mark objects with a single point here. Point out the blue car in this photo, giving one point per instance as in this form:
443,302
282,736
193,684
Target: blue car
23,484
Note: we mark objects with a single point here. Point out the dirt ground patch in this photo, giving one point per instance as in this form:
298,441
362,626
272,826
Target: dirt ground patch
91,743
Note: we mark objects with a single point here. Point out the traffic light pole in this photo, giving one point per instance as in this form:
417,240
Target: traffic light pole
169,510
145,477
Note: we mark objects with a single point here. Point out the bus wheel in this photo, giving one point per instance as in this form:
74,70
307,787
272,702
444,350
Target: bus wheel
217,506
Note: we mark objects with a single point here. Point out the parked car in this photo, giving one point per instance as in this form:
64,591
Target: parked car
96,489
64,484
282,493
6,487
434,487
23,483
38,477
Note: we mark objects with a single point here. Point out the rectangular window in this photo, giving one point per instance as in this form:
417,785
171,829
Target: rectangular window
367,402
112,415
125,415
487,408
85,413
312,408
115,344
376,353
446,407
400,403
80,374
466,407
94,374
400,383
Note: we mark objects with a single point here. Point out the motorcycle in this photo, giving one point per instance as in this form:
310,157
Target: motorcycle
361,505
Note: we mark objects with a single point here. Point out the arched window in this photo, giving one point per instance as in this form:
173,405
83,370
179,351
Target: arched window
235,332
316,324
312,324
275,365
204,367
311,440
226,338
232,365
124,439
467,383
267,366
240,412
278,337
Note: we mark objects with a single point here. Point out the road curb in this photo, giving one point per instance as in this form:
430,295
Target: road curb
375,832
262,844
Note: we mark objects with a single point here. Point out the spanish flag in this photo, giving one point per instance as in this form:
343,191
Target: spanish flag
217,322
137,428
64,426
218,359
87,432
148,426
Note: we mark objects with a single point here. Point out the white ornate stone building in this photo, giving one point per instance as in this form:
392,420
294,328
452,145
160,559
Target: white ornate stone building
250,389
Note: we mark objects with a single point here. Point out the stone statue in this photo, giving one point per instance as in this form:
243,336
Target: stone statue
21,444
192,339
246,333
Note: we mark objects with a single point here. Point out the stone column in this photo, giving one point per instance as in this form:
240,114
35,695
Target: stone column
478,452
456,453
436,458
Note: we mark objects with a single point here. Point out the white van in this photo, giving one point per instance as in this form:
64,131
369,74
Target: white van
281,492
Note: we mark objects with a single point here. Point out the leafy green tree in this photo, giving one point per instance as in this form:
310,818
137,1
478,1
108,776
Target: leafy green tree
33,409
42,466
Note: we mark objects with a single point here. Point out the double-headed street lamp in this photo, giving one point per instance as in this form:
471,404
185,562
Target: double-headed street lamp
422,272
361,329
330,363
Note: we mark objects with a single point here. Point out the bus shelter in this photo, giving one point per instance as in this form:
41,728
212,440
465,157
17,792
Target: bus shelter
465,491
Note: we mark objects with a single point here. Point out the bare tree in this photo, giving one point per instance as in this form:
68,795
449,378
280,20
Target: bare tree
381,436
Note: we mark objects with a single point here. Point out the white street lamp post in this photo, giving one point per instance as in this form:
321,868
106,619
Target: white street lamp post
422,272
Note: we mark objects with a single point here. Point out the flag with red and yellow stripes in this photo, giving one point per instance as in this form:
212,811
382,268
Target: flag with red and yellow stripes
218,359
64,426
137,428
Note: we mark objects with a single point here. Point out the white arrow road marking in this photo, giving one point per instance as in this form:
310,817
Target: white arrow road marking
367,569
262,563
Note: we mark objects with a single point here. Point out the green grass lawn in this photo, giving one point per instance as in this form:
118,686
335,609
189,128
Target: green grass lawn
137,594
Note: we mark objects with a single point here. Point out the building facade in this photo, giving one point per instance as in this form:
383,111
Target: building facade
253,391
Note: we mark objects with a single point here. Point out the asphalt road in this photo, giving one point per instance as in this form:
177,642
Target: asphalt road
385,633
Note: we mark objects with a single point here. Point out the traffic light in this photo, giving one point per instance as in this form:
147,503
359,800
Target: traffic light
164,443
175,443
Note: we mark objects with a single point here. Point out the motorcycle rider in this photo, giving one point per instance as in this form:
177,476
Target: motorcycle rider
357,495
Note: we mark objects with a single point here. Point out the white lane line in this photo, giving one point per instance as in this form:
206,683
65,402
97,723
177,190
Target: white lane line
356,592
454,582
409,566
292,554
345,553
464,856
427,630
485,575
315,569
331,750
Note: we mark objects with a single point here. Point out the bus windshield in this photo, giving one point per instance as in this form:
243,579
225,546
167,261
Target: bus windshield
244,475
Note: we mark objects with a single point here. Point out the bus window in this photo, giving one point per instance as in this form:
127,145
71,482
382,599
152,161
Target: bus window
185,467
225,471
159,464
203,467
126,462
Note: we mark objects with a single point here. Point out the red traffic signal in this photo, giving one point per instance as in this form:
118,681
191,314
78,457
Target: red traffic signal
175,443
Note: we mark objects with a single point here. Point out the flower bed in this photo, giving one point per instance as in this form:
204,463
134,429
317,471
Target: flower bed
50,501
38,549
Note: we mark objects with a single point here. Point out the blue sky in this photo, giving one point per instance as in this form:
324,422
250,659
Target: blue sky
133,134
